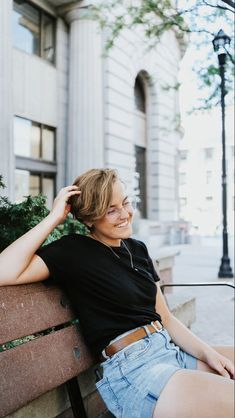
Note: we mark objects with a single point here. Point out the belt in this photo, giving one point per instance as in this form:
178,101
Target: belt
130,338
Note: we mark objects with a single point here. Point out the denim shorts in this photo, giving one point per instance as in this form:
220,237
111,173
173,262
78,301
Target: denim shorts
134,377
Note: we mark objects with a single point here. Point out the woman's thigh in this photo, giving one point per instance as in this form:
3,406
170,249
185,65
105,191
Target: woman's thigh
196,394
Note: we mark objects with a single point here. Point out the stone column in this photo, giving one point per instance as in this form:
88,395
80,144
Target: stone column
85,110
6,100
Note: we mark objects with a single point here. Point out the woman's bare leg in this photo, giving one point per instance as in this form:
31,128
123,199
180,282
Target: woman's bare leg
196,394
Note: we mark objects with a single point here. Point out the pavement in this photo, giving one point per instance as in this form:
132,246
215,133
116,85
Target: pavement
199,262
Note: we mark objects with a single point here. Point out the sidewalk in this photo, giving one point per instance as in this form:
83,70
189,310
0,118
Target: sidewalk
214,305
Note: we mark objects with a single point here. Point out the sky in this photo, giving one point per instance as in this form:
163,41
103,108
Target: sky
190,92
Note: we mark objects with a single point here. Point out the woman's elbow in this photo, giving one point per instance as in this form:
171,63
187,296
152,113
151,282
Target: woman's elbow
166,318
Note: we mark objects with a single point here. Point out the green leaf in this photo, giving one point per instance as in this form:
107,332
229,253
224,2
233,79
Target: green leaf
18,218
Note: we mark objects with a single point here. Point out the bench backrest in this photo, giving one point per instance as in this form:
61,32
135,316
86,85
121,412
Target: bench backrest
39,365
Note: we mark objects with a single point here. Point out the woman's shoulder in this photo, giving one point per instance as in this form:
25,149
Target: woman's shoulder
65,241
136,244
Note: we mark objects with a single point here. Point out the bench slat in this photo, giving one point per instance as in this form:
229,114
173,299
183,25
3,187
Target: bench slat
27,309
29,370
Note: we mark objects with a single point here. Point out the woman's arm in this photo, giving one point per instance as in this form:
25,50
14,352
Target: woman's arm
18,262
189,342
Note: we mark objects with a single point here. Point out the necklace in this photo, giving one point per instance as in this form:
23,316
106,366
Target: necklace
116,255
130,255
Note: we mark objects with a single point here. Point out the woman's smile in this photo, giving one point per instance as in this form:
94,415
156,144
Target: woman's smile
123,224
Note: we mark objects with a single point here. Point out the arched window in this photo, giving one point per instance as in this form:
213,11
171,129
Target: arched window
139,95
140,144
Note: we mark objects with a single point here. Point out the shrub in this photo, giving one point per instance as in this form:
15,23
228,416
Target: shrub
18,218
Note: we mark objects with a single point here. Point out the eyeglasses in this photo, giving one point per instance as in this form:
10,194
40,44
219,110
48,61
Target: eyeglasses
129,205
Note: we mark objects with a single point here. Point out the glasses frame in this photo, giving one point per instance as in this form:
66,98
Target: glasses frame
113,214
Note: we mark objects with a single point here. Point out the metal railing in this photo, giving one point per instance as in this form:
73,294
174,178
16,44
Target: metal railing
188,284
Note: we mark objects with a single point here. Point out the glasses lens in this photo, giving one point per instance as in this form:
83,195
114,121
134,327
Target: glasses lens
114,213
130,204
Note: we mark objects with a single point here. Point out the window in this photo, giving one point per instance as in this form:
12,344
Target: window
209,153
208,177
140,155
140,145
183,154
33,30
209,199
33,140
182,179
183,202
27,183
34,146
139,95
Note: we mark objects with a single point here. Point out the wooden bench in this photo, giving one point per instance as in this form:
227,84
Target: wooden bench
48,361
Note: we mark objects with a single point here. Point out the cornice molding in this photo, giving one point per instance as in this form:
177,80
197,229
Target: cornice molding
75,10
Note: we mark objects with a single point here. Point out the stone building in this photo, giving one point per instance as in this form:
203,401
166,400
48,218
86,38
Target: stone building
65,107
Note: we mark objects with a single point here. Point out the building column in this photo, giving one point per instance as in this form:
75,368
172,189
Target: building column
6,102
85,109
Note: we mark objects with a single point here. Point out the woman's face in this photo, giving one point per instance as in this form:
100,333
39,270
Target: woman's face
116,224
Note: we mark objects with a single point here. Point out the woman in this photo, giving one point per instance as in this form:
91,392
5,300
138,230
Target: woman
153,365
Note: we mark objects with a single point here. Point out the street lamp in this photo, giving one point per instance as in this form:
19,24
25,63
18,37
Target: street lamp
220,42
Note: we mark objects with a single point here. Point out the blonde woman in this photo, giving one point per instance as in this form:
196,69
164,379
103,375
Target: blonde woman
153,366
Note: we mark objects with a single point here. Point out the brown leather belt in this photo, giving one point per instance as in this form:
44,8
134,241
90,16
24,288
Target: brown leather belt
134,336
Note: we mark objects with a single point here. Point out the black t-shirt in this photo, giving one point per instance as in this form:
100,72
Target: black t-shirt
106,293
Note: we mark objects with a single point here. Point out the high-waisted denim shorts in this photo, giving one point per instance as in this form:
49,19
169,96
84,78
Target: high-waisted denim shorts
134,377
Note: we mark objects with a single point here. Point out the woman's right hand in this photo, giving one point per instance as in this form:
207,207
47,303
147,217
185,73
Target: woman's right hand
61,207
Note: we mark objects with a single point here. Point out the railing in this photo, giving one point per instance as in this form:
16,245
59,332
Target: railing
164,285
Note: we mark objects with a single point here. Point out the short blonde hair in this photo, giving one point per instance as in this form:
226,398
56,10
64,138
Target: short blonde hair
96,187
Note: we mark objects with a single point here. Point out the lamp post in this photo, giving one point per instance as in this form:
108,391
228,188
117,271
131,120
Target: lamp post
219,43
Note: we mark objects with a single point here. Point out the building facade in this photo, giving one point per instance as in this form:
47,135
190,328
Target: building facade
66,107
201,170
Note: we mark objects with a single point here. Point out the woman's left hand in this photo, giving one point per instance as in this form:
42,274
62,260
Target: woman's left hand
220,364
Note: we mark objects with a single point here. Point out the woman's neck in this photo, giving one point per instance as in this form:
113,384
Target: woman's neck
107,241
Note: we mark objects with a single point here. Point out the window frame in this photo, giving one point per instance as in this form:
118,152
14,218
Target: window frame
183,154
42,13
39,166
41,127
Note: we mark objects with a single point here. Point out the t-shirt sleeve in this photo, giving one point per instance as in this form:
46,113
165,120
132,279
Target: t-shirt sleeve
52,255
154,272
151,266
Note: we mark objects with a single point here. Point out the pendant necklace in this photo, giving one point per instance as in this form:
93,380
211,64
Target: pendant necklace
127,249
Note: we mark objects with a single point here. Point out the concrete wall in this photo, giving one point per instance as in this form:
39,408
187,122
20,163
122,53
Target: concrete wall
34,88
159,68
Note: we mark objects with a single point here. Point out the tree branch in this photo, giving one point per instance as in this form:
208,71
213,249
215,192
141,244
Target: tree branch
230,56
229,3
217,6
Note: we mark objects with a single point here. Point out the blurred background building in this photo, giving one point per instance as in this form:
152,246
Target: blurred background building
200,172
65,107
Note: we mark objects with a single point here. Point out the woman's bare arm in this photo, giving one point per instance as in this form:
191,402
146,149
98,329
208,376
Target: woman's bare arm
18,262
189,342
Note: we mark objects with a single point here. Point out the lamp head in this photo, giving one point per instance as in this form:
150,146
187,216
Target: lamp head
220,41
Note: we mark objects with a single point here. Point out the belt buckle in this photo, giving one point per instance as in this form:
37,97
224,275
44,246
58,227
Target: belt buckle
154,326
104,354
